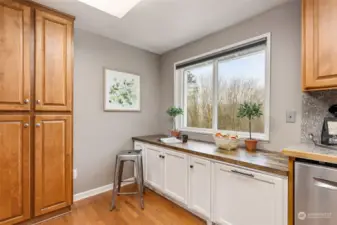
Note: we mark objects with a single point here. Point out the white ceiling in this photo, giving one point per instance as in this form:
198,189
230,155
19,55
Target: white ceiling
161,25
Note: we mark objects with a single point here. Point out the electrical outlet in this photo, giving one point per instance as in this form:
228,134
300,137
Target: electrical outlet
291,116
74,174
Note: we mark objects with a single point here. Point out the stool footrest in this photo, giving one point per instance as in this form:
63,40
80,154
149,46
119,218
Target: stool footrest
128,181
128,193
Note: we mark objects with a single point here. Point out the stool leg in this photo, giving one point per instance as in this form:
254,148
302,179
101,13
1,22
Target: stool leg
140,183
120,174
114,190
142,169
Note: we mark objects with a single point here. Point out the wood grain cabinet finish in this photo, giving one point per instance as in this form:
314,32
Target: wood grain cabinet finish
319,47
53,163
15,51
53,62
14,169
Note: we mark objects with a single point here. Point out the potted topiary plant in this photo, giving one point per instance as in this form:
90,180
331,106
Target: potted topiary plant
173,112
250,110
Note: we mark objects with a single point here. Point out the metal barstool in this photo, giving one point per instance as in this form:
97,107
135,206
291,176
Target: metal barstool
134,156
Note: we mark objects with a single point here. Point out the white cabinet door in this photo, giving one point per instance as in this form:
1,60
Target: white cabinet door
243,197
200,186
154,167
176,169
140,146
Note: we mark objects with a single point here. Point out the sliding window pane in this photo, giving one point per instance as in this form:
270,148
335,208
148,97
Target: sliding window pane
241,77
199,95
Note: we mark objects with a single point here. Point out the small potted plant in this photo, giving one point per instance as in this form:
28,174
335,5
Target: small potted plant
173,112
250,110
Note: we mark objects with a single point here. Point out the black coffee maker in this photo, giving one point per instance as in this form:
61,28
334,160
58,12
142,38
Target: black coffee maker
329,129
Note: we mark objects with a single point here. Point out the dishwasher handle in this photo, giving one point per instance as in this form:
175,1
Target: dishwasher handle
322,183
242,173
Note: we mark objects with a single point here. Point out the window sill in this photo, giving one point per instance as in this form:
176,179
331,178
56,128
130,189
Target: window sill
242,135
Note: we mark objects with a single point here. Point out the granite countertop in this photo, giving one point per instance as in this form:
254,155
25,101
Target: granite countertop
311,152
267,161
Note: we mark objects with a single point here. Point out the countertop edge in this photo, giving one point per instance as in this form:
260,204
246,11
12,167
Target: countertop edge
226,160
309,155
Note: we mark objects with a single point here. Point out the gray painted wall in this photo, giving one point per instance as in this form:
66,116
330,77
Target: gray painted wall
284,24
99,135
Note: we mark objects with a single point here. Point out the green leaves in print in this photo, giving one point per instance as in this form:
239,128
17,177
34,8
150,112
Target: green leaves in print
122,92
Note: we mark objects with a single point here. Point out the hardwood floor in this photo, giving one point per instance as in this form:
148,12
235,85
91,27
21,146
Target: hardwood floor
95,211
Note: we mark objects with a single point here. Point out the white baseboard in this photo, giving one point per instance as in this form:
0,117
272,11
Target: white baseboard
97,191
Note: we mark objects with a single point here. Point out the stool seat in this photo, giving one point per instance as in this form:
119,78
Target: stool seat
136,157
130,152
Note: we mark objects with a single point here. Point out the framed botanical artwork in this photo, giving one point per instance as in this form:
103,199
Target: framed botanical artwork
121,91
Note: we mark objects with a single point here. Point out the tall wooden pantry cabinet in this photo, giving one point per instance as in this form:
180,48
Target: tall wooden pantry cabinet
36,100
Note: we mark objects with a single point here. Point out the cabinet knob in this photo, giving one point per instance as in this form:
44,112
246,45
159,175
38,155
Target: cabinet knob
26,101
38,101
38,125
191,166
25,125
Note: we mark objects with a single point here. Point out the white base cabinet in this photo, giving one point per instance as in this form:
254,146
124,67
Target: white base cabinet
200,187
175,176
242,197
217,192
154,167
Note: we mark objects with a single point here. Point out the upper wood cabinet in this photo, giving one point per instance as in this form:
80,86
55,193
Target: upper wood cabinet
15,56
53,163
14,169
53,62
319,46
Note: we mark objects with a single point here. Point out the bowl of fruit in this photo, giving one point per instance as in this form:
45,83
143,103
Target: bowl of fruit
226,141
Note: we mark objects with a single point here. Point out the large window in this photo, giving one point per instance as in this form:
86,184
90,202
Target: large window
210,88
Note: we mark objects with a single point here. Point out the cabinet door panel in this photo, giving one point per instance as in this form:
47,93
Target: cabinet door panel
53,163
200,182
53,62
15,50
154,167
175,174
14,169
140,146
319,48
243,197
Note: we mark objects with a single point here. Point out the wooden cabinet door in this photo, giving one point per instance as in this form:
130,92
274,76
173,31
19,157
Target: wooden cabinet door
14,169
200,182
154,167
244,197
53,163
319,48
175,176
53,62
15,51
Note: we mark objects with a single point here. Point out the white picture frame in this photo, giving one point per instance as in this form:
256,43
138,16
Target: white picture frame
121,91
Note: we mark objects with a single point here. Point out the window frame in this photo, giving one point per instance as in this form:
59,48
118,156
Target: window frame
180,94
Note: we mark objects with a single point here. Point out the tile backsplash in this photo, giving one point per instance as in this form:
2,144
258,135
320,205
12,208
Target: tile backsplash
315,107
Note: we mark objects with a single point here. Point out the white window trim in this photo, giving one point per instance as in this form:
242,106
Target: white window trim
179,96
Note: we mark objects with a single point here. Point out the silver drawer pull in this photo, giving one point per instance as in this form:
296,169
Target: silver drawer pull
242,173
26,101
38,125
325,184
25,125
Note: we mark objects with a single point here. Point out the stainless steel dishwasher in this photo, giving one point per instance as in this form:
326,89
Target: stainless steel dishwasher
315,193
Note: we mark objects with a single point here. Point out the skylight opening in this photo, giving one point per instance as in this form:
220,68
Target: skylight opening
117,8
